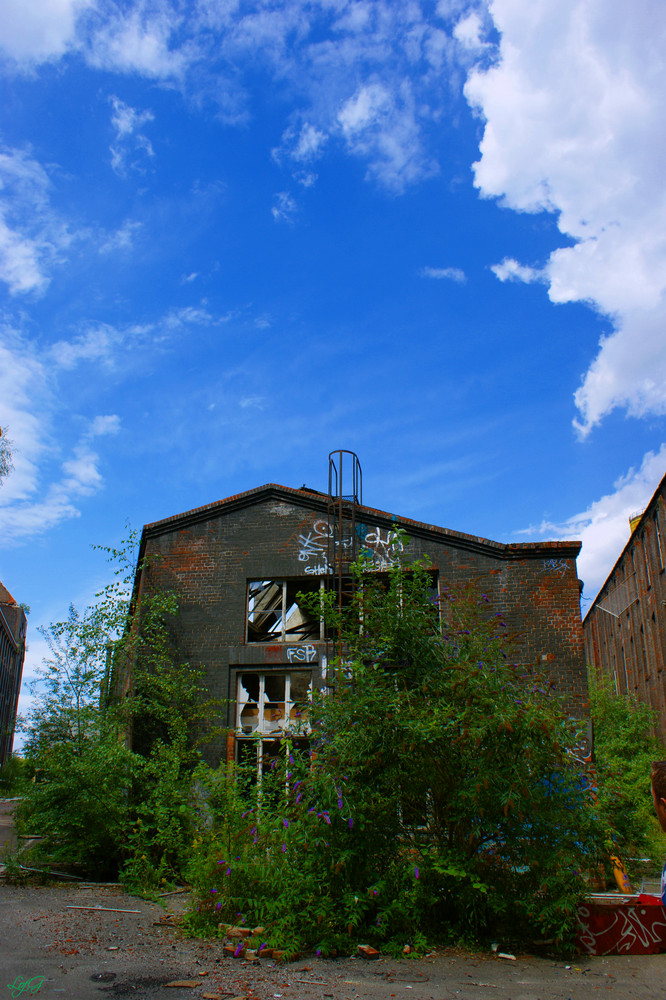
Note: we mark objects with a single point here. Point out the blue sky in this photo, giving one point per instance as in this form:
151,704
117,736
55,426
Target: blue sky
238,234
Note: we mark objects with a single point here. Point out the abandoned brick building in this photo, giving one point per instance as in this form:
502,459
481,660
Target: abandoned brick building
236,566
625,628
13,625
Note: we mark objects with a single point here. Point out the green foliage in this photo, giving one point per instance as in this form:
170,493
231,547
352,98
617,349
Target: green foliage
442,798
96,802
14,775
624,748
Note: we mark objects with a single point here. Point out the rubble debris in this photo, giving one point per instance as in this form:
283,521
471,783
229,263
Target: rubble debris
106,909
365,951
184,983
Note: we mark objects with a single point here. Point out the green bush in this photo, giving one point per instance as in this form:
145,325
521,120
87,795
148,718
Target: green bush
15,773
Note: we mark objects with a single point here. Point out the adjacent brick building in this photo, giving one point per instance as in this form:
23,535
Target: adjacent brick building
625,628
12,652
236,566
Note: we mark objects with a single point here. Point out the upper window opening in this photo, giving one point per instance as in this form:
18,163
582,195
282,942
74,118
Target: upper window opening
275,614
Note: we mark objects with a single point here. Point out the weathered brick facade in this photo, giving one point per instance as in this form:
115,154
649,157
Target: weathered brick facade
625,628
208,557
13,624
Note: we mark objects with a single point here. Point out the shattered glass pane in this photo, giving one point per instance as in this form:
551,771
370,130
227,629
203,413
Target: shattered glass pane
274,703
248,702
264,619
300,693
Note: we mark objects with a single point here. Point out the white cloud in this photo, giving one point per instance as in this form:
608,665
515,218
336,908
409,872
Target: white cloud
303,145
510,270
136,41
128,122
28,401
574,125
254,402
469,30
96,344
444,273
31,235
604,527
381,126
284,208
122,239
35,30
24,404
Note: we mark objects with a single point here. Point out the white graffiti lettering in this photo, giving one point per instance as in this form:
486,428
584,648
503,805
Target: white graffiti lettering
381,546
321,569
384,549
302,654
558,566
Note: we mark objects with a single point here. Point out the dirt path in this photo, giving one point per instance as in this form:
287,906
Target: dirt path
87,953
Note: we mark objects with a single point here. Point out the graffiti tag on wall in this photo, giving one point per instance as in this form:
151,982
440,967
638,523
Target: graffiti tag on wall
382,546
620,930
557,566
302,654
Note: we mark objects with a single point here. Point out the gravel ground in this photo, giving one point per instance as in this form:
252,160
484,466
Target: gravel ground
83,953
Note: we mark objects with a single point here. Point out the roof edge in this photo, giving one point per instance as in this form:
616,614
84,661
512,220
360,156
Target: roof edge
310,500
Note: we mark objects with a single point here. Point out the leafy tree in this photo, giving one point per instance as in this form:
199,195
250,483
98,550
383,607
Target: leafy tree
98,802
624,748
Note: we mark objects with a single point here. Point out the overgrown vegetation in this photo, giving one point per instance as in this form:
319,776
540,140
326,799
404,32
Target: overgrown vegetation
442,798
96,803
624,748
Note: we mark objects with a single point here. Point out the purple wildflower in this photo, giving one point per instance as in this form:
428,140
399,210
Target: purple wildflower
291,759
228,872
213,890
218,906
416,873
299,797
286,823
351,823
318,952
238,950
284,848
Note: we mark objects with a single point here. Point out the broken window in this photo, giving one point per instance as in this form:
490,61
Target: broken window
274,613
273,704
270,707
